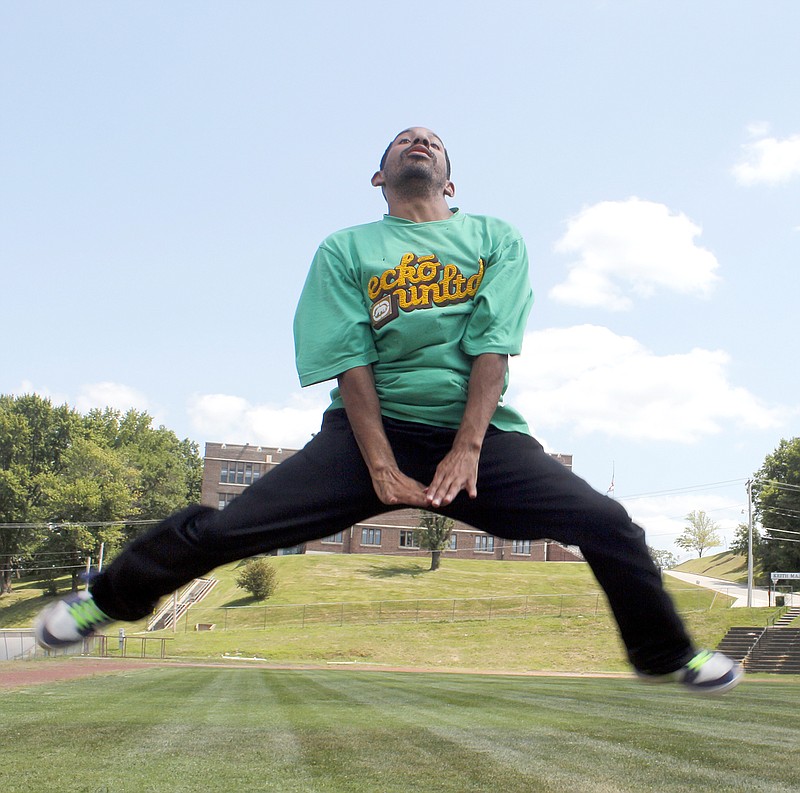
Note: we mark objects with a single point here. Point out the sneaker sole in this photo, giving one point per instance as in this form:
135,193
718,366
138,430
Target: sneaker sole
722,688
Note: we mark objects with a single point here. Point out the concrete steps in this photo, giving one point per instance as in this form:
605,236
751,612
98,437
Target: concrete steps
738,642
774,649
193,593
777,651
788,618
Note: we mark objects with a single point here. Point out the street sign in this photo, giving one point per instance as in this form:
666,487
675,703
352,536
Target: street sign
778,576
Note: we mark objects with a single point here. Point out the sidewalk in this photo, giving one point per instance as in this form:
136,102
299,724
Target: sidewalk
738,591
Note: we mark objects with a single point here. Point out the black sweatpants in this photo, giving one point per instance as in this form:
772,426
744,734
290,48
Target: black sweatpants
523,493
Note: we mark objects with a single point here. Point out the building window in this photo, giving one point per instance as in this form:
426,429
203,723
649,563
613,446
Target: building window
370,536
453,542
337,538
224,499
408,539
232,473
484,543
521,546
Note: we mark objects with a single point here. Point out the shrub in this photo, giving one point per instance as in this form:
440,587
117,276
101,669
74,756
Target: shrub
258,577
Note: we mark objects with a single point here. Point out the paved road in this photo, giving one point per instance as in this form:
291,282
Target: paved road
738,591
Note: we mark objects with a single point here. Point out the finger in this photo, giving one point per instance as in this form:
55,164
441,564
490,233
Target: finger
410,492
444,493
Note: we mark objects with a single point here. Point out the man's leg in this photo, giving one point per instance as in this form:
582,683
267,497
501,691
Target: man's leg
322,489
523,493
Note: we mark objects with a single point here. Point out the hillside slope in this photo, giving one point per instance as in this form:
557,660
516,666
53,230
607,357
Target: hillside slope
727,566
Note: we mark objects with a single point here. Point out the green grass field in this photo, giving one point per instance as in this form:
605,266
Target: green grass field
231,729
573,633
365,580
227,728
726,565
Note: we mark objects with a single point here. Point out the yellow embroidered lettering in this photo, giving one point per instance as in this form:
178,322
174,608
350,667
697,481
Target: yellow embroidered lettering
374,287
419,282
427,270
405,274
388,280
433,294
474,281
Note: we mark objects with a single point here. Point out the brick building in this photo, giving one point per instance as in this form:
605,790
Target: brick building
229,468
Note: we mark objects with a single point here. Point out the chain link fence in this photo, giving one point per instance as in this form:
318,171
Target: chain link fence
419,610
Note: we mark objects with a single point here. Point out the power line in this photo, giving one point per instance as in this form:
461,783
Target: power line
783,531
782,512
25,569
67,523
781,485
688,489
34,554
778,539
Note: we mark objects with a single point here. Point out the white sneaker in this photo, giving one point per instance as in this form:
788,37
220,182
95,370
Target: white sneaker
707,673
69,621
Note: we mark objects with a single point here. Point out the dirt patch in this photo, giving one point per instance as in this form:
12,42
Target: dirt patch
17,674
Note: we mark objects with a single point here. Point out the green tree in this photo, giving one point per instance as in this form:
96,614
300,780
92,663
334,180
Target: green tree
664,560
434,535
58,468
94,485
776,503
741,539
170,470
258,577
14,540
700,534
34,437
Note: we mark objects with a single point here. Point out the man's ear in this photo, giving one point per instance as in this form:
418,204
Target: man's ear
449,188
377,179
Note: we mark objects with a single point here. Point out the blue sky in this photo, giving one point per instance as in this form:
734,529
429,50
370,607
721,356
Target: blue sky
168,169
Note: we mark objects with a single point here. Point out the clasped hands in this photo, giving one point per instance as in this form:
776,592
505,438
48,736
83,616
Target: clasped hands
457,471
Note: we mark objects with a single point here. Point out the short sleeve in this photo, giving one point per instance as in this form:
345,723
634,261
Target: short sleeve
502,304
332,331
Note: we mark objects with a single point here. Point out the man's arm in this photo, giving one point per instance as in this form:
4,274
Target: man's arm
459,469
392,486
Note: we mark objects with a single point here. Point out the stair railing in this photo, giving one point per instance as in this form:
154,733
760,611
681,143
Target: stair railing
753,646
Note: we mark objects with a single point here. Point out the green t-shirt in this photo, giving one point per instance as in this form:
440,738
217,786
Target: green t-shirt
417,301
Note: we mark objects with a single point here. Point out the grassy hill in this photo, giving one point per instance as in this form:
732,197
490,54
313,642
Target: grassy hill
578,636
727,566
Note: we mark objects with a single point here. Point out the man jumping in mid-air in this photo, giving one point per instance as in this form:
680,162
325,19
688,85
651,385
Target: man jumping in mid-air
415,316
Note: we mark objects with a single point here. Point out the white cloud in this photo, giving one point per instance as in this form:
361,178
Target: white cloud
592,380
631,247
767,160
664,516
115,395
97,395
224,417
27,387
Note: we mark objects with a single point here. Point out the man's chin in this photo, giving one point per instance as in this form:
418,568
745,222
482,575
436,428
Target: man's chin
416,175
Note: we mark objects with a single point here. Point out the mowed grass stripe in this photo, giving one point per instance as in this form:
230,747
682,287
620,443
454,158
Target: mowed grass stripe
179,729
620,726
219,719
392,742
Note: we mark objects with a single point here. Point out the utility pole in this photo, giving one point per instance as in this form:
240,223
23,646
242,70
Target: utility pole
749,543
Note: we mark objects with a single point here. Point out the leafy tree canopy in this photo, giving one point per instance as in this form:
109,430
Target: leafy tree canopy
258,577
60,470
776,506
700,534
434,535
664,559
